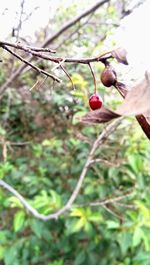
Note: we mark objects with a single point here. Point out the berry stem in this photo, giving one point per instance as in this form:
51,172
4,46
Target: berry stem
94,79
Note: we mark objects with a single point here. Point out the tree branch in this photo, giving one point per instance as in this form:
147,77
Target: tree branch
50,40
112,200
103,136
28,49
106,162
72,22
57,60
37,69
101,58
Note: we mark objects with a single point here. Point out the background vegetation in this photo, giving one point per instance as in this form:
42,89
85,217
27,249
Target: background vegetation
44,148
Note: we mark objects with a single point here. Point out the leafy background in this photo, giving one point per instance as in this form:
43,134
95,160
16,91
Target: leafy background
46,167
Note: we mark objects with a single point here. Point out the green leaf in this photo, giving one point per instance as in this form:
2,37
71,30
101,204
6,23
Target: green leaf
146,241
95,217
14,202
79,225
56,198
142,256
56,262
18,220
112,224
2,251
37,227
125,241
135,163
10,256
80,258
137,236
143,210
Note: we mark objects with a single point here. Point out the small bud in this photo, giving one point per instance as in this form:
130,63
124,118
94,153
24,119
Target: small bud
108,76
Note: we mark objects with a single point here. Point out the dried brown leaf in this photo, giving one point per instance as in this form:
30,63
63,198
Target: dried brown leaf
137,100
120,54
147,116
99,116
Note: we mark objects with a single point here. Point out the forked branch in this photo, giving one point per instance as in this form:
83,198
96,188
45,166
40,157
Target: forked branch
102,137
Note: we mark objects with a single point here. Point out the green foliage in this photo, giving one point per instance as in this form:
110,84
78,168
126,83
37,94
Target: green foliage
43,151
45,172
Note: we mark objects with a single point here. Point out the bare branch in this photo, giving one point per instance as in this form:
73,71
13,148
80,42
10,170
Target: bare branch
77,30
106,162
112,200
103,136
128,206
37,69
51,39
58,60
22,200
26,48
101,58
112,212
20,19
11,79
15,143
94,79
72,22
67,74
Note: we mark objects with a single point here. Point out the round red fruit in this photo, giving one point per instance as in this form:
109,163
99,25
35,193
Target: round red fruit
95,102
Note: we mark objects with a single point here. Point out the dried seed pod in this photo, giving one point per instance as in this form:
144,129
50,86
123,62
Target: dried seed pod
108,76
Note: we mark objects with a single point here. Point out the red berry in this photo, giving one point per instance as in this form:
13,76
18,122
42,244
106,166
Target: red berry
95,102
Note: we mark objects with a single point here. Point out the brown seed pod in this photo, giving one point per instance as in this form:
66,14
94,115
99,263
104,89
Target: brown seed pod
108,76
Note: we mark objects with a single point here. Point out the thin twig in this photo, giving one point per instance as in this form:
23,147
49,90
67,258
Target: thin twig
67,74
111,200
20,19
112,212
18,46
104,161
128,206
15,143
74,32
38,84
37,69
58,65
94,79
72,22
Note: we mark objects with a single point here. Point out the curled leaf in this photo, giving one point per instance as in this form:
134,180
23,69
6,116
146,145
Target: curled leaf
120,54
122,88
99,116
137,100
